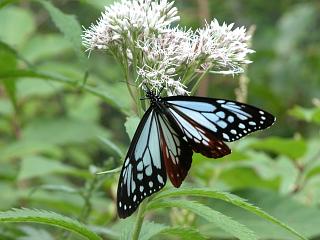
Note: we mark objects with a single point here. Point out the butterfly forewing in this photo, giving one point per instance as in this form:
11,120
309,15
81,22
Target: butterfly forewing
177,154
226,120
199,139
143,171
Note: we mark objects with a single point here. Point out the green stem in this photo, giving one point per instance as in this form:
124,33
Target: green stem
139,220
87,195
196,85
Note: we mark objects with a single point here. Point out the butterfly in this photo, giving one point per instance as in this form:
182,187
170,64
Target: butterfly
168,133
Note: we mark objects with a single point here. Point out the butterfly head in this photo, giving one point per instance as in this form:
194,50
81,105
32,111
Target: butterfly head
152,95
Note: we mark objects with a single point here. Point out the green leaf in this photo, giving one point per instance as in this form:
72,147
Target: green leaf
19,19
306,114
48,218
292,31
3,3
227,224
69,26
44,167
150,230
9,64
42,47
61,131
104,95
183,233
301,217
112,146
42,135
293,148
131,125
227,197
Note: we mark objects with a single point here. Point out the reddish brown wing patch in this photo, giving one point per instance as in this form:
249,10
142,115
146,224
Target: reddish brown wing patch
213,149
176,153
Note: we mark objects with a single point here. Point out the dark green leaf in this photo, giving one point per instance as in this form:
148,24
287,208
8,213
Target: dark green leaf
69,26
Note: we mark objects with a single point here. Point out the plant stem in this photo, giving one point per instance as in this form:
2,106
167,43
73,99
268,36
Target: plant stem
139,220
86,210
196,85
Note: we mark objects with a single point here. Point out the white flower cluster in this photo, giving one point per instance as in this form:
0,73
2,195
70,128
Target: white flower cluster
140,31
122,20
226,49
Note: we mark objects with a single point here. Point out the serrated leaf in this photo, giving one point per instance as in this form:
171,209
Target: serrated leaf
293,148
183,233
131,125
69,26
48,218
227,197
218,219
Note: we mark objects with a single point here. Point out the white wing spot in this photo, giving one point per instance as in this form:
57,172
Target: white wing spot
134,198
120,204
252,123
141,188
226,136
242,126
125,207
148,170
261,112
230,119
140,176
263,118
150,184
221,114
261,122
160,179
222,124
233,131
221,101
140,166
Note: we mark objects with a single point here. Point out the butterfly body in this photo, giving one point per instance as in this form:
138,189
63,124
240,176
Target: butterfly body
168,133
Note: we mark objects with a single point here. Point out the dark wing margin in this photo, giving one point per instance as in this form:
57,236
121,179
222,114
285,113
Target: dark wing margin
143,172
177,154
227,120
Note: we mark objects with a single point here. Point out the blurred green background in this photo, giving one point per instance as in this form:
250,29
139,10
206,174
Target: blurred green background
63,115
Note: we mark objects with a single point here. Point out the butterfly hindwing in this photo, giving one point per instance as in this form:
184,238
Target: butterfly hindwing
227,120
177,154
143,172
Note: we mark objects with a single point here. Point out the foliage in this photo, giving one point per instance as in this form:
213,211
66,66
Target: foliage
64,118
